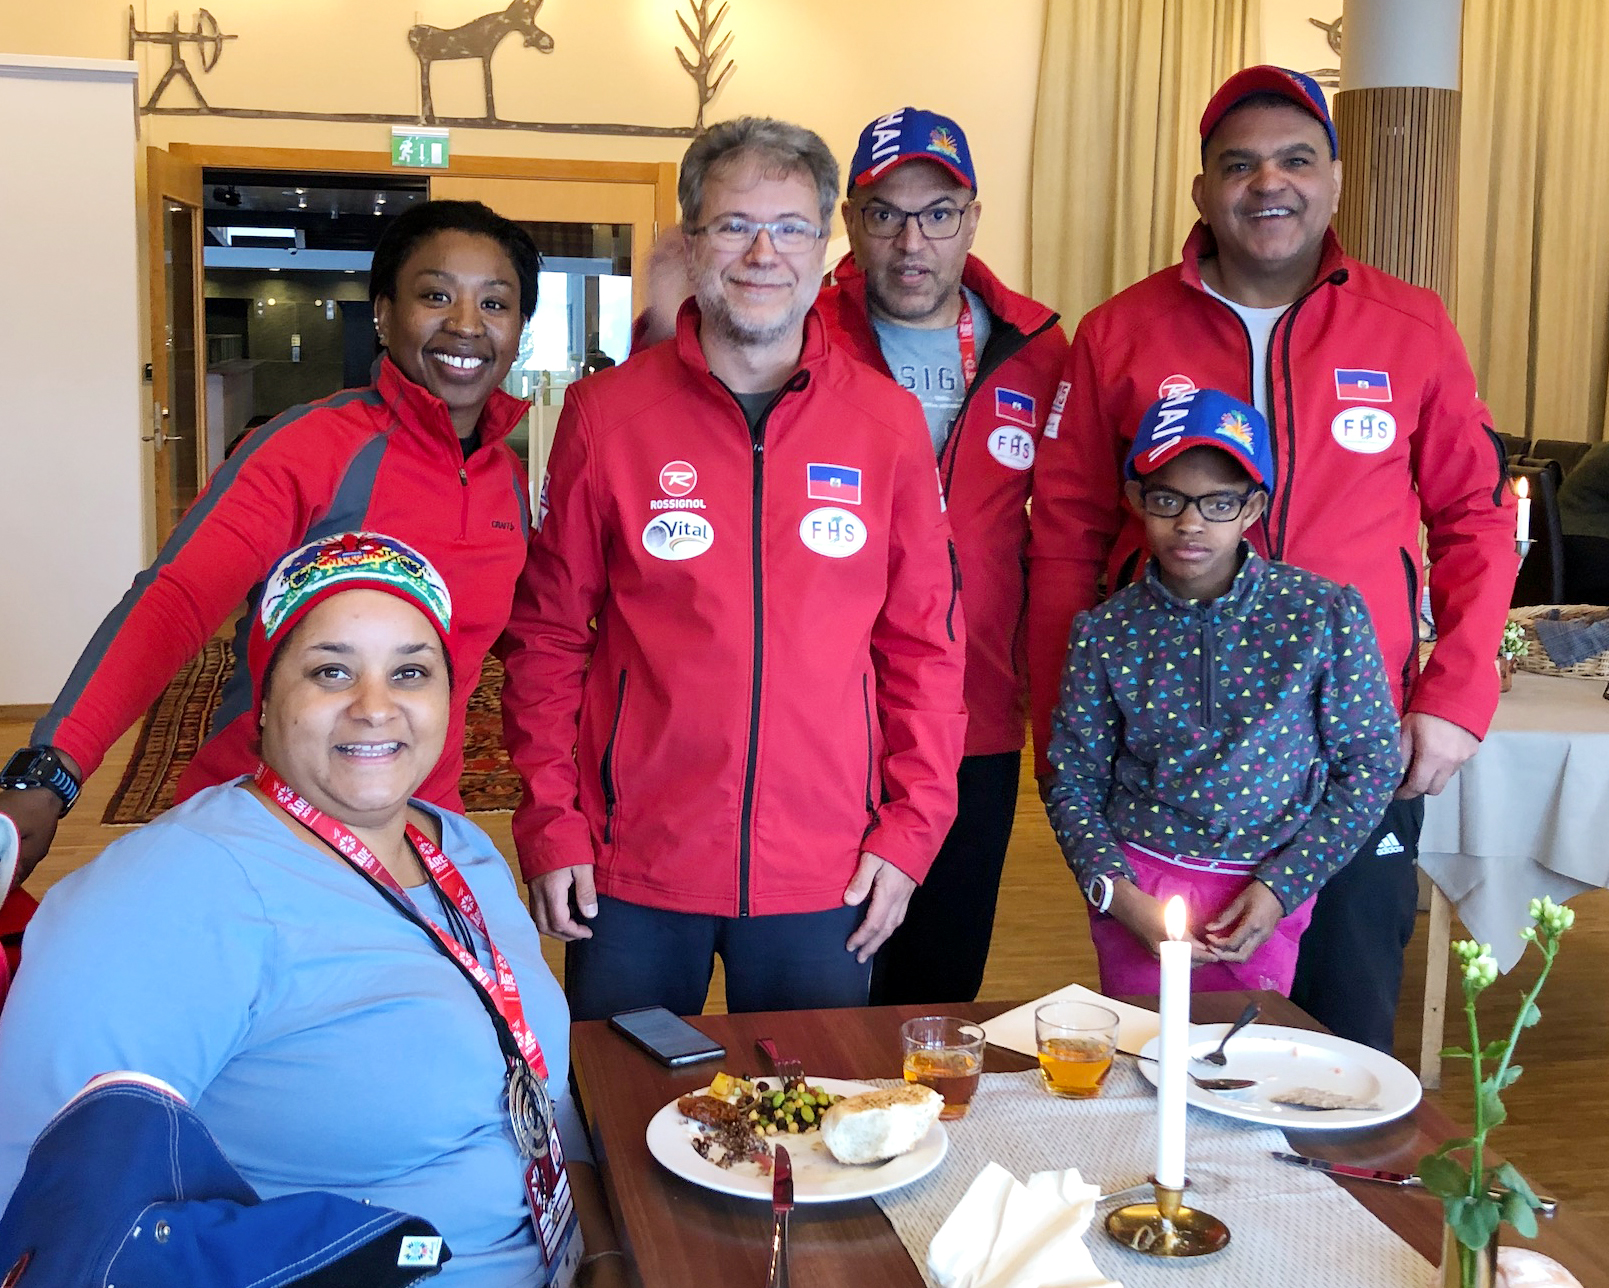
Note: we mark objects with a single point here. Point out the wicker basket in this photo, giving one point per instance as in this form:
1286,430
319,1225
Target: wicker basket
1537,660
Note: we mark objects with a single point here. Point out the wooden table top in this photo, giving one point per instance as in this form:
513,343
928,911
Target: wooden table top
680,1235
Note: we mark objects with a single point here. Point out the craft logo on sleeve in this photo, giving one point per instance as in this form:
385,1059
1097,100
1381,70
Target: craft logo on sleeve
1354,384
1053,421
543,505
1012,447
840,483
1016,407
832,532
1369,430
1175,385
678,478
678,536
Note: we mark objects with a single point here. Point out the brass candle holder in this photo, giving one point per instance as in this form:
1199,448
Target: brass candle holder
1166,1228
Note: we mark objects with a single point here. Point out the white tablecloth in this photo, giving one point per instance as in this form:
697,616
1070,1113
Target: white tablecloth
1528,815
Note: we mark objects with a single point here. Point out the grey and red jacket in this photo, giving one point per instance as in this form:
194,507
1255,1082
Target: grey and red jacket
987,472
735,660
1376,427
385,458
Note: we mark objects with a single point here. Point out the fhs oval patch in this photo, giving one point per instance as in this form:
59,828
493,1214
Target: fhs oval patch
1013,448
1368,430
832,532
678,535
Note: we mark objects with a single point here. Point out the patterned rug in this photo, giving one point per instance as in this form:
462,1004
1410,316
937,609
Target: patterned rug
177,721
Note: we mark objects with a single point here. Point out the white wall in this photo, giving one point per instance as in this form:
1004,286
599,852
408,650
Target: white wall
70,461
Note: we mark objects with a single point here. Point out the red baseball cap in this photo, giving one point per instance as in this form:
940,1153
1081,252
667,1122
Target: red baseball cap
1295,87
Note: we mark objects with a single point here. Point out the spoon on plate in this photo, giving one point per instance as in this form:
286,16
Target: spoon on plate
1210,1084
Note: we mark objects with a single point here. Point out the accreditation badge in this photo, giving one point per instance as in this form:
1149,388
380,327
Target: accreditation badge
558,1230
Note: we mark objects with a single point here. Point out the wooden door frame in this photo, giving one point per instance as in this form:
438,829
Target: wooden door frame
661,174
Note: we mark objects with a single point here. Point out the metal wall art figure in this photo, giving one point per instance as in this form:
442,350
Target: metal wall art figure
205,36
475,39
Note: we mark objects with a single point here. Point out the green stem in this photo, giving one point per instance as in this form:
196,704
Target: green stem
1477,1185
1549,949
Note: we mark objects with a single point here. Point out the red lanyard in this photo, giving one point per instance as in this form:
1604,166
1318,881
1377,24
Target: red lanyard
966,332
503,992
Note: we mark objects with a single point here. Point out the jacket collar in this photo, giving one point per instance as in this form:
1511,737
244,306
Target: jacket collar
419,409
1201,243
811,357
1027,315
1232,603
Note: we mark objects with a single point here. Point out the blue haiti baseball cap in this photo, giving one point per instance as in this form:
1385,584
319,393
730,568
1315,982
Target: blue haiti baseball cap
127,1186
1202,418
911,134
1295,87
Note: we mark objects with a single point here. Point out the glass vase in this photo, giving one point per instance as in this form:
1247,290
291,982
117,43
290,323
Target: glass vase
1463,1267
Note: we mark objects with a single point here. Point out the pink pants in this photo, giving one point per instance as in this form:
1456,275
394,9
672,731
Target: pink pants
1128,967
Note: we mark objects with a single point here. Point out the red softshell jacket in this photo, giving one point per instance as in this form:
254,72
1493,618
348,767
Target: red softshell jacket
386,459
1376,426
735,662
987,469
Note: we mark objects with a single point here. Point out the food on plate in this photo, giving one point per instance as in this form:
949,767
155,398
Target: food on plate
737,1114
1318,1098
877,1125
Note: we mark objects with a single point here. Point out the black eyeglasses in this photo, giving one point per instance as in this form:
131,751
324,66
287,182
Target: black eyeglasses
1215,507
936,223
733,232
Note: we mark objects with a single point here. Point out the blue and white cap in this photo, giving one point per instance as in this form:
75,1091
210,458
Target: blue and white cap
911,134
1202,418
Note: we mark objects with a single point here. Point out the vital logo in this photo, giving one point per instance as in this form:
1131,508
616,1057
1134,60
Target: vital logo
678,478
678,536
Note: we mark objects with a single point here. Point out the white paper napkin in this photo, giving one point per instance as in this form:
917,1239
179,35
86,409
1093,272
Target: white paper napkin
1003,1234
1015,1029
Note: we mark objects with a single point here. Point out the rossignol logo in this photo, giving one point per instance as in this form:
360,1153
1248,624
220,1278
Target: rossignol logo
678,478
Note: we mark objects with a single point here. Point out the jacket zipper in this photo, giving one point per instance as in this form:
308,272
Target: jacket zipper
757,663
606,766
955,589
463,494
1288,321
1411,575
1502,465
1209,683
866,699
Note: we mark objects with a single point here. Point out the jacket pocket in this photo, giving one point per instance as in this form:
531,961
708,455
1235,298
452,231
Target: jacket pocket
607,776
1410,573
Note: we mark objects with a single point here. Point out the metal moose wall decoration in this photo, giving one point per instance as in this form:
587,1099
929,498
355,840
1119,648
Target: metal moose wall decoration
475,39
478,38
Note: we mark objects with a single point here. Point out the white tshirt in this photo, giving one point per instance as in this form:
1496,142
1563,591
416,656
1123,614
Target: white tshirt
1259,326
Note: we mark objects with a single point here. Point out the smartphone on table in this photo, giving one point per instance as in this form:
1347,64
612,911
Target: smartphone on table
668,1038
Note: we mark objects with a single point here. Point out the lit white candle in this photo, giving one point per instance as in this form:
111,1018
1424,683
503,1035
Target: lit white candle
1522,489
1173,1054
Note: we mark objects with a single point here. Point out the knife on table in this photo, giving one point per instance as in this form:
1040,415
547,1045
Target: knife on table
781,1205
1405,1179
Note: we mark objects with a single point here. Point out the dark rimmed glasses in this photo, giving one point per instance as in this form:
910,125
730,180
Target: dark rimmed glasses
1214,507
734,232
936,223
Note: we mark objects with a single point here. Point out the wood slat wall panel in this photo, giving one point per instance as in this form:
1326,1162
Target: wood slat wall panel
1399,189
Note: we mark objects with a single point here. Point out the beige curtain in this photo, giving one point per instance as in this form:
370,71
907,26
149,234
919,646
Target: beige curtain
1122,84
1533,221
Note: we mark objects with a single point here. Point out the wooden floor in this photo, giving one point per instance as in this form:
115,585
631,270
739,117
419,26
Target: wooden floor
1558,1129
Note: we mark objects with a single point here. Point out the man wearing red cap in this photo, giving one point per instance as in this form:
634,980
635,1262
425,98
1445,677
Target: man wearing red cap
912,301
1376,426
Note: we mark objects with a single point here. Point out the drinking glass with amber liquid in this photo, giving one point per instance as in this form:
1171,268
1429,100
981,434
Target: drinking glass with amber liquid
1076,1042
947,1055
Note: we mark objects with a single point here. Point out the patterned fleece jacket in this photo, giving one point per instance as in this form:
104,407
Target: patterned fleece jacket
1256,728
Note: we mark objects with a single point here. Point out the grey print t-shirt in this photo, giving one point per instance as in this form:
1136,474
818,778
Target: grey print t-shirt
928,363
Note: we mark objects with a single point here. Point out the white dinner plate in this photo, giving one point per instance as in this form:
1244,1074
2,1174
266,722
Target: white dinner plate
817,1176
1287,1060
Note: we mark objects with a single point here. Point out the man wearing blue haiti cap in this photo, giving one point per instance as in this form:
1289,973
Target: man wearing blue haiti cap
1376,437
912,301
1225,729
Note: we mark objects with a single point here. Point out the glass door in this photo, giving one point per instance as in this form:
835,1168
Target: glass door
176,408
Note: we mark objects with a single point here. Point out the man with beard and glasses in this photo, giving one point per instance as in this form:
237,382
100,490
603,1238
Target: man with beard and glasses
736,654
1375,428
912,301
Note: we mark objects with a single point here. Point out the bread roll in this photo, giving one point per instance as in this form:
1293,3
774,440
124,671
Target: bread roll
880,1124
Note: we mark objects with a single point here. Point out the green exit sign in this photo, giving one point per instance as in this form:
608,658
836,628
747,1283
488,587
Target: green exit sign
419,149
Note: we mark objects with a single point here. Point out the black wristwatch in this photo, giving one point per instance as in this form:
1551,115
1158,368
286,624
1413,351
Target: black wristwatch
40,767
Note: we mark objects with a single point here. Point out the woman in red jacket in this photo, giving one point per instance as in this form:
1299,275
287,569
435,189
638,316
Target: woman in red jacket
420,453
